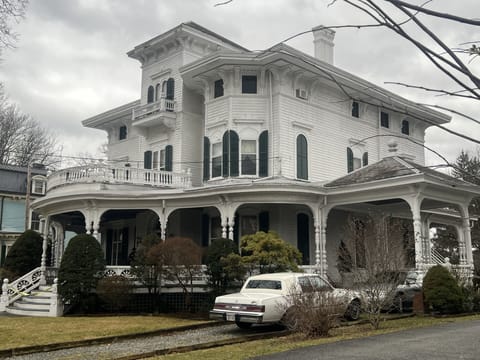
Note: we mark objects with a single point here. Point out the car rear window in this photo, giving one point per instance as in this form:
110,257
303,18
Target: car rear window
264,284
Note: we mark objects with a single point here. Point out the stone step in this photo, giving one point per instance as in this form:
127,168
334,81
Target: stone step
26,312
27,305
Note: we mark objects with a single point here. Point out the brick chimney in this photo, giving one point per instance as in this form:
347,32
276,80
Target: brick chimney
323,42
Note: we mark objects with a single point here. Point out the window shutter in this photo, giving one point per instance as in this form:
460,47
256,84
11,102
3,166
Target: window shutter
226,153
263,221
147,160
365,159
349,160
206,159
263,154
234,153
168,157
302,159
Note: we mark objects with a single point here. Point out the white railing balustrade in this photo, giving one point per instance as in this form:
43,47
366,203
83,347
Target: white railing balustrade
119,175
18,288
156,107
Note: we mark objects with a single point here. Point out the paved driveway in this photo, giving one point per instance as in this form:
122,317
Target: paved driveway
458,341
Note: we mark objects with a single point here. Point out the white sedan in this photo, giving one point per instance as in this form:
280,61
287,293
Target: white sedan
264,298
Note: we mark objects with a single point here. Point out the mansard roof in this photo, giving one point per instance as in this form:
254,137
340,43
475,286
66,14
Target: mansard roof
394,167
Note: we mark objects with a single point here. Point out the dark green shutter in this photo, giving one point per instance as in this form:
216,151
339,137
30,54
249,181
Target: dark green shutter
147,160
263,221
349,160
263,154
206,159
234,153
168,158
226,153
302,158
170,95
365,159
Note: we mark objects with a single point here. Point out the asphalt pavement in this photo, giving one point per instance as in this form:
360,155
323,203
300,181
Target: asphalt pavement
453,341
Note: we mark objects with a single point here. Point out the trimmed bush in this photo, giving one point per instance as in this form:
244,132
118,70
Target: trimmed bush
25,254
82,266
115,291
441,292
219,280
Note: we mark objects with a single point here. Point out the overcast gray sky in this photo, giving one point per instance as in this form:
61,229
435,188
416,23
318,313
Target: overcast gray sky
71,63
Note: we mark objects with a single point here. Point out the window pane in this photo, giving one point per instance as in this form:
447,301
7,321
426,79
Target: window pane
357,163
249,146
249,164
38,186
162,159
155,160
355,109
217,149
249,84
217,160
384,120
218,88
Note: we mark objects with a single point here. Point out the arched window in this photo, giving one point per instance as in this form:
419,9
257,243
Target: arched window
405,127
170,94
302,158
365,159
263,154
150,94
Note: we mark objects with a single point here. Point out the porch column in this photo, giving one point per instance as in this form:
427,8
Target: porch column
467,237
96,227
321,240
415,204
163,229
224,227
426,246
231,224
462,251
43,262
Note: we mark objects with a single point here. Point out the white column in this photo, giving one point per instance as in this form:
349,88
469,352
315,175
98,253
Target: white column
231,224
96,226
224,227
418,231
43,262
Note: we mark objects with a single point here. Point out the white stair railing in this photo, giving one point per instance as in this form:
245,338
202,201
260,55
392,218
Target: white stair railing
18,288
436,257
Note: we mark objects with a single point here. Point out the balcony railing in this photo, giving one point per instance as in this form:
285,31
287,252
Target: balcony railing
118,175
161,112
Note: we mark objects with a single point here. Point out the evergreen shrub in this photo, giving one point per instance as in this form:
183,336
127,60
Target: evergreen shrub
442,294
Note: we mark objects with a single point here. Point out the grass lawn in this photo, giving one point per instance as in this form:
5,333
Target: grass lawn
263,347
27,331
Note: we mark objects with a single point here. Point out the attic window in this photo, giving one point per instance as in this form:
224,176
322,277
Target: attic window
122,133
355,109
384,120
249,84
39,185
405,127
218,88
301,94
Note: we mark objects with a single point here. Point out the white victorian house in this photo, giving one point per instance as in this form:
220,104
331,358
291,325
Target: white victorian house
225,142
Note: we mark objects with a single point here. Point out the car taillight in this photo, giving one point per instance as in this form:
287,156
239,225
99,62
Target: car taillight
255,308
220,306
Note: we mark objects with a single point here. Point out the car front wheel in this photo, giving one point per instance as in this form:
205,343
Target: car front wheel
353,310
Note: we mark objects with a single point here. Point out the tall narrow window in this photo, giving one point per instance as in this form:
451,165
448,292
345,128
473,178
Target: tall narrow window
405,127
302,158
158,92
365,159
349,160
355,109
384,120
206,159
122,133
230,153
150,94
249,84
170,95
249,155
218,88
155,160
217,160
263,154
162,160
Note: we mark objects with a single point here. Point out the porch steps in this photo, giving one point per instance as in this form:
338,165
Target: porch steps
37,303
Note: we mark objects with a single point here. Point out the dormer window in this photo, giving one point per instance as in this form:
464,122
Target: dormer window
218,89
39,185
122,133
355,109
384,119
405,127
249,84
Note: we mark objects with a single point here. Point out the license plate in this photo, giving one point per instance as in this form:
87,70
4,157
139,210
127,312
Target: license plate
230,317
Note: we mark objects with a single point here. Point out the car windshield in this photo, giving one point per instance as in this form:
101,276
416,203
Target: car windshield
264,284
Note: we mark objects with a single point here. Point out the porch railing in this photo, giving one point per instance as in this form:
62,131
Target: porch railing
153,108
118,175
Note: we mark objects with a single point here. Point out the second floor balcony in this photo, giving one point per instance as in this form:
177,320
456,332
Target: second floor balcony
158,113
103,173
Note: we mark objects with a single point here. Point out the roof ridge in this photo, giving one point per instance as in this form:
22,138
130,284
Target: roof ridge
407,165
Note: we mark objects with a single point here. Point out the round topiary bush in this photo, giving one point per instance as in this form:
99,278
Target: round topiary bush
441,291
25,254
82,266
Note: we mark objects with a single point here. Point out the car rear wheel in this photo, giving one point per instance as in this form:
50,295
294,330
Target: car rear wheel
243,325
353,310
